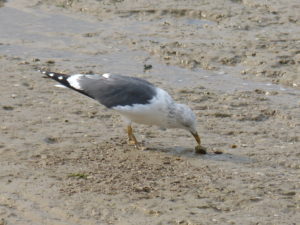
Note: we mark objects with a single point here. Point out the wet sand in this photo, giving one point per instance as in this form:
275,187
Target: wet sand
65,159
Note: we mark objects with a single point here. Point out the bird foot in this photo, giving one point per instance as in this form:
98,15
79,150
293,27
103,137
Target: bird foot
131,138
134,143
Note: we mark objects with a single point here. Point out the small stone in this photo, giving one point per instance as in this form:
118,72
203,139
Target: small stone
218,152
147,67
50,61
7,107
289,193
259,91
154,212
143,189
200,149
50,140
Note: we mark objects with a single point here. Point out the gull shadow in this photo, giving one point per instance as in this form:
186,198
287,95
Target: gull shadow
227,157
211,155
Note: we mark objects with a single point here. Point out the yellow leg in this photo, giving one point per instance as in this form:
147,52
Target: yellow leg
131,137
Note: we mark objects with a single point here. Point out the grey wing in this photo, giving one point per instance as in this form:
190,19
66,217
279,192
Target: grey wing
116,90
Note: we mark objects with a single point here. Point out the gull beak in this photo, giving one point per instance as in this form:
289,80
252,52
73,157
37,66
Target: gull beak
197,138
198,149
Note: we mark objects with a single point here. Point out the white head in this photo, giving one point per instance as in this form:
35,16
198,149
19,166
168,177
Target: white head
185,118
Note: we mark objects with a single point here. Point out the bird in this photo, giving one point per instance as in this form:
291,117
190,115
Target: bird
135,99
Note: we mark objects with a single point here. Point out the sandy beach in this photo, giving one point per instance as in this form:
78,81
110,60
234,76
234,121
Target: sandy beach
64,158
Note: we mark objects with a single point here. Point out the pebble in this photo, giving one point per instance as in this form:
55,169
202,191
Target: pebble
50,61
200,149
7,107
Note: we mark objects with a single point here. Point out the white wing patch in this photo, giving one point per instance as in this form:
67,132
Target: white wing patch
74,81
106,75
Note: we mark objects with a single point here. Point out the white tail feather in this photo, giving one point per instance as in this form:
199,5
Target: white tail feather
60,86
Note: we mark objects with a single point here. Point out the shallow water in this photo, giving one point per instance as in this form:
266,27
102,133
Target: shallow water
44,35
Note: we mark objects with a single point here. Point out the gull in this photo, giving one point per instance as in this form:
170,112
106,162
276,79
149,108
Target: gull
135,99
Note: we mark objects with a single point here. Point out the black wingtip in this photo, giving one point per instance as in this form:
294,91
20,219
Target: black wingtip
62,79
59,77
44,72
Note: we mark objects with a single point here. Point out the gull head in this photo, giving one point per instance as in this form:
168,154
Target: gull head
186,118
